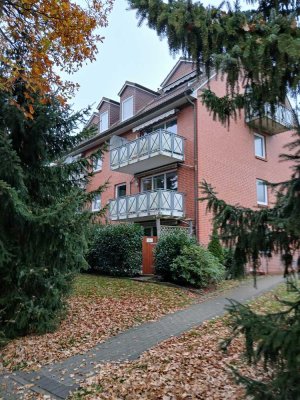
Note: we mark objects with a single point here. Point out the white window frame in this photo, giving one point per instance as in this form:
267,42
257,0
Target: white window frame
116,189
96,167
263,203
101,129
123,102
264,145
95,200
153,176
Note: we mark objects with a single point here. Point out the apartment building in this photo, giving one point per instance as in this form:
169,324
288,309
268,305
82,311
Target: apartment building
162,144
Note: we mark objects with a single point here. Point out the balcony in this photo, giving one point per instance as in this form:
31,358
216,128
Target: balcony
282,120
147,152
164,203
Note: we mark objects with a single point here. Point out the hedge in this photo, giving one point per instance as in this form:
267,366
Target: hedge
116,250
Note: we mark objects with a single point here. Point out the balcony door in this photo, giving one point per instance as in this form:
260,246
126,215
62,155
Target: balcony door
166,181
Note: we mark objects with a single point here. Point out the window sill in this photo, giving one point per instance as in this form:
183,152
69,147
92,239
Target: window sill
261,158
259,205
97,170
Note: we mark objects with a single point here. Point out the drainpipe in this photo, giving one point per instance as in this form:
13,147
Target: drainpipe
196,175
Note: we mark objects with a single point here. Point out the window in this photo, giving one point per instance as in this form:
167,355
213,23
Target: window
146,184
170,126
121,190
127,108
261,192
103,122
97,164
259,145
96,203
168,181
171,181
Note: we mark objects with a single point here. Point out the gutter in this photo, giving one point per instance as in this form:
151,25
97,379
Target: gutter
196,175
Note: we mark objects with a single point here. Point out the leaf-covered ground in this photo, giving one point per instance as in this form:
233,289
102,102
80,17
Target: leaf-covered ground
99,307
189,367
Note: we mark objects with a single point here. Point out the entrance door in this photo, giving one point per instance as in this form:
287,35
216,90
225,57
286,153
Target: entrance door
149,243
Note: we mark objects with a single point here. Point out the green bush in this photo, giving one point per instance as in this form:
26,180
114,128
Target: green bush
215,247
116,250
229,263
196,266
167,249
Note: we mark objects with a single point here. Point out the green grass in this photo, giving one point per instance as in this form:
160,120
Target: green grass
268,303
118,288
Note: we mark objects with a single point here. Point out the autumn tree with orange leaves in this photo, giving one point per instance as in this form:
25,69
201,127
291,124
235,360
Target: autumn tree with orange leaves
40,37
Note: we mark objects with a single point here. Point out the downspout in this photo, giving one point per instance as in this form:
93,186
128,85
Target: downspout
196,175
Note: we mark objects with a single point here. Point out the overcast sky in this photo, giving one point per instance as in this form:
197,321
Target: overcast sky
128,53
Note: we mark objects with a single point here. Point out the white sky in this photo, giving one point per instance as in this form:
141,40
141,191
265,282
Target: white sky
128,53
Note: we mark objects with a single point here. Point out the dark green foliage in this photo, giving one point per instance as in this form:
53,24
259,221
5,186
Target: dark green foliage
214,246
275,339
42,234
229,264
117,250
258,48
197,267
167,249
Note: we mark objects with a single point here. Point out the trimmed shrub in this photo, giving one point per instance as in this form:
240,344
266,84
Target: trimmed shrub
116,250
197,267
167,249
215,247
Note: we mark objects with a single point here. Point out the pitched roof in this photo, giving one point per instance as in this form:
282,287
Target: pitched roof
181,68
138,86
107,100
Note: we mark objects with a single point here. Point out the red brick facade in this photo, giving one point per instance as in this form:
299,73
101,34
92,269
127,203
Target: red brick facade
223,156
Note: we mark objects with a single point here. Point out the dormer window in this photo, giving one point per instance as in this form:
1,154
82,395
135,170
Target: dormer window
103,121
127,108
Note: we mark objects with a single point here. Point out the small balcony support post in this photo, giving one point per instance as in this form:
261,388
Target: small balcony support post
158,227
190,227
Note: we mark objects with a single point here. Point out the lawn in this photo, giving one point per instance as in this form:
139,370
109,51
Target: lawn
98,308
191,366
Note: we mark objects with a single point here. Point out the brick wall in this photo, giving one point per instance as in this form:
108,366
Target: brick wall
186,170
227,161
113,178
113,111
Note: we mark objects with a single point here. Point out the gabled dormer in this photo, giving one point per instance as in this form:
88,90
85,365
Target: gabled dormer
109,111
183,71
93,121
133,97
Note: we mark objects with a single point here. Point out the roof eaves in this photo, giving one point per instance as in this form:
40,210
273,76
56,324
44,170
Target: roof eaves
137,85
107,100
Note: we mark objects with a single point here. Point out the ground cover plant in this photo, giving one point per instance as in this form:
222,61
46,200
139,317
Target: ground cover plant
191,366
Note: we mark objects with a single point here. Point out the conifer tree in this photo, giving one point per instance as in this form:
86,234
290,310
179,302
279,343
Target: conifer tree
214,245
43,223
257,48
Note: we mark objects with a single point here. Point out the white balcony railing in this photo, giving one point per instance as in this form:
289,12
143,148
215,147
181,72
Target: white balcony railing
150,151
153,203
282,120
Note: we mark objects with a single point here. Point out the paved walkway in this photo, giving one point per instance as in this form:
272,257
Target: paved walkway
59,379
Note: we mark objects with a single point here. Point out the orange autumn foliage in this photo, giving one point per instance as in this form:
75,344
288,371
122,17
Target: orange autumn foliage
38,38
